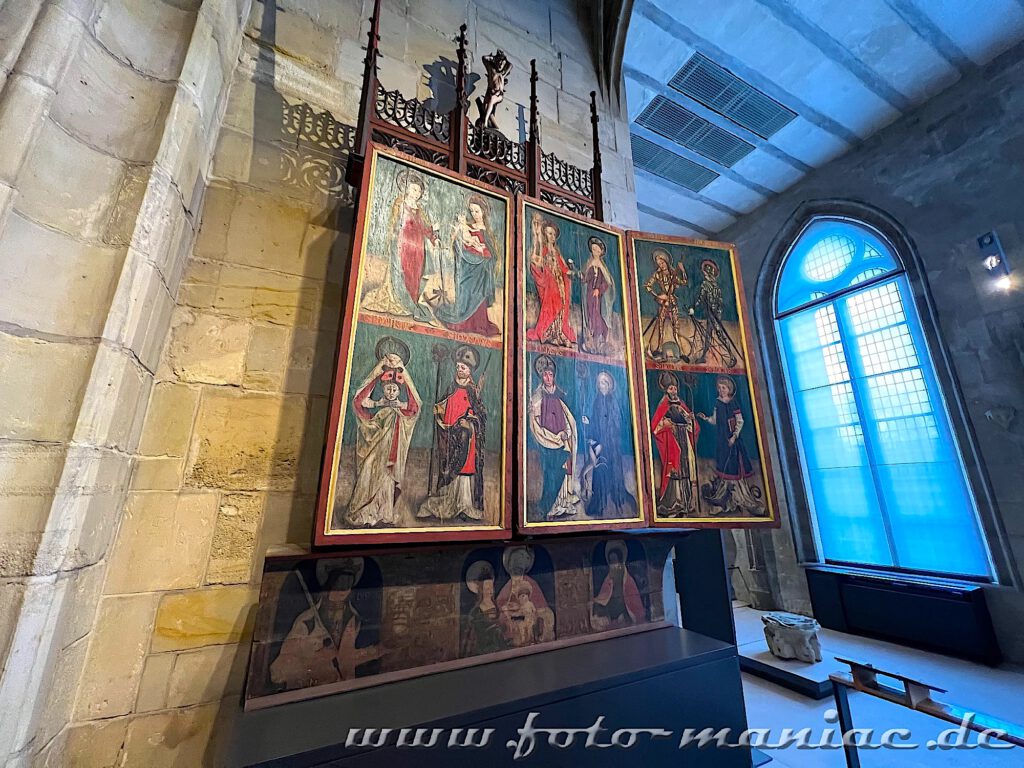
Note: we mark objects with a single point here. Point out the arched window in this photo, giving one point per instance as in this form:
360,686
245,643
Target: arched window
881,469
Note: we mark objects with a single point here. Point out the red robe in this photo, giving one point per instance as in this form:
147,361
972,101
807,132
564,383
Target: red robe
412,249
669,450
456,406
551,301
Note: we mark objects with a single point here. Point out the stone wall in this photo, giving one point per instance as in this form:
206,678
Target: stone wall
170,391
949,172
108,111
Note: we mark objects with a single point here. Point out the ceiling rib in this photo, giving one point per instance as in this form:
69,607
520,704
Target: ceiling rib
674,220
836,52
931,33
807,112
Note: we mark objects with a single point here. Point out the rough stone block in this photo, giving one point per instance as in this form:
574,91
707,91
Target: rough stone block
156,676
41,387
54,283
117,652
207,675
234,539
92,745
266,231
97,86
247,441
22,111
169,419
163,542
151,37
201,617
172,738
207,348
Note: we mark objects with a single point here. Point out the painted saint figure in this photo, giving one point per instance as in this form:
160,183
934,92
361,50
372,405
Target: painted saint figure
412,244
662,336
554,428
603,434
675,434
523,611
618,603
598,297
321,646
729,491
460,427
554,288
481,632
387,407
706,314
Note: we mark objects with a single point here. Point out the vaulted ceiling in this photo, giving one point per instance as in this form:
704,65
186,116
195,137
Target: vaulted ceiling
733,101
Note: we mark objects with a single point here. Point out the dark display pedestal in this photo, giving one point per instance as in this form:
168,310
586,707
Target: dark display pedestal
668,679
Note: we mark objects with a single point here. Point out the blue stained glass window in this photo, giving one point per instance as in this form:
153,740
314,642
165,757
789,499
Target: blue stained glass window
880,463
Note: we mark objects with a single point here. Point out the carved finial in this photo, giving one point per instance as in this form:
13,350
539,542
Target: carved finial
498,68
460,74
534,107
596,173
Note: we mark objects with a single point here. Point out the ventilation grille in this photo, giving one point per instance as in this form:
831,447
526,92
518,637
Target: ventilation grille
670,166
719,89
686,129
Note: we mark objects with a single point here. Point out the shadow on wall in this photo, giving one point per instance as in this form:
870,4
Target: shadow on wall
300,152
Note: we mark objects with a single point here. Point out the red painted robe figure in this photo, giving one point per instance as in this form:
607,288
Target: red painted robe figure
412,241
675,434
460,422
598,296
387,407
551,275
618,603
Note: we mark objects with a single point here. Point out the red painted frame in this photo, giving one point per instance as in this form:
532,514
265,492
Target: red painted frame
321,538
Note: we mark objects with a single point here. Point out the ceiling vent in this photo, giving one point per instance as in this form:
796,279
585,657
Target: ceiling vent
670,166
695,133
720,90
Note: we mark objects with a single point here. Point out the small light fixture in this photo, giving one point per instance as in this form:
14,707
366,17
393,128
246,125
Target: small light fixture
994,259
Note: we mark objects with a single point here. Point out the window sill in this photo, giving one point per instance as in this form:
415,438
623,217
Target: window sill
894,577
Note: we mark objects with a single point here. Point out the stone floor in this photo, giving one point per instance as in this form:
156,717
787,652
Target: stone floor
997,692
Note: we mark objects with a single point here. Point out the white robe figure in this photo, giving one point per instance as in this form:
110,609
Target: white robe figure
554,428
383,433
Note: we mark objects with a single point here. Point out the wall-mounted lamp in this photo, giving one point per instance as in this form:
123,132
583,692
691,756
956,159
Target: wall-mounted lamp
994,259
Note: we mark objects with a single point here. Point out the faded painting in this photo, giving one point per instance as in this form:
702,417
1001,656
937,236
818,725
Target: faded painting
330,623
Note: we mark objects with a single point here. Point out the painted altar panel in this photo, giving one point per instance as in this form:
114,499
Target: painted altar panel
332,623
419,431
580,440
708,461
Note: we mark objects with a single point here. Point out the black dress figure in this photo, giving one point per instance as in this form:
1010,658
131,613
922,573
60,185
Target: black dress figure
604,434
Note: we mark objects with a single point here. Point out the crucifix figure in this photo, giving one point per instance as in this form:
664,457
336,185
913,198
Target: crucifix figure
498,68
